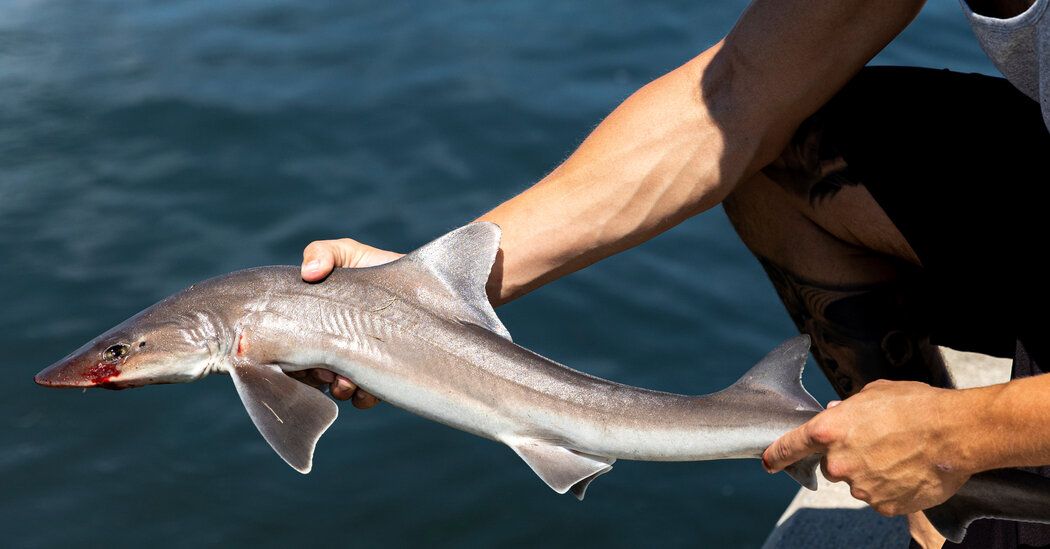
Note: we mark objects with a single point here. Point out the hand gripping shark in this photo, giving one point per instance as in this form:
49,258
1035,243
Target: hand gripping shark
420,334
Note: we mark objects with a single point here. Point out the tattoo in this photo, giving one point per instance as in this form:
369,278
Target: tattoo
810,165
862,332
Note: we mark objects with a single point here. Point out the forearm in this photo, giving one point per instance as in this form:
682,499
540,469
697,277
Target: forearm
657,159
1002,425
679,145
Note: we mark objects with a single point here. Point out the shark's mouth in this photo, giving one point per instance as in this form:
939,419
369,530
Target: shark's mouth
102,373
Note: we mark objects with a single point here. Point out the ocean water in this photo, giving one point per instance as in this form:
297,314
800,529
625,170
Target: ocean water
147,145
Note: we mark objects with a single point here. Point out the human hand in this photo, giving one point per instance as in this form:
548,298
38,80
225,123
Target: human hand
321,256
319,259
894,443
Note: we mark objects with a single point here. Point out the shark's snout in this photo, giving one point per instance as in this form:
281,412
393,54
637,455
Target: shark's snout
78,372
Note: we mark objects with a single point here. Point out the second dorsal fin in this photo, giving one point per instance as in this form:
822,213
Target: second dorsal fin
779,376
780,373
460,261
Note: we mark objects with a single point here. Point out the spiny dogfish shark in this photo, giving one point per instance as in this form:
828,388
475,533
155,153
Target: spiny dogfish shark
420,334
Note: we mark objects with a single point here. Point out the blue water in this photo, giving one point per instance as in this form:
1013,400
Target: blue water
148,145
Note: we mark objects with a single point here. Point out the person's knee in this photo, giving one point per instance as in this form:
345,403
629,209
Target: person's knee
819,242
767,221
800,197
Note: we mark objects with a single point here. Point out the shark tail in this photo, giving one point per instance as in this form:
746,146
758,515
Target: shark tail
1005,494
951,520
779,375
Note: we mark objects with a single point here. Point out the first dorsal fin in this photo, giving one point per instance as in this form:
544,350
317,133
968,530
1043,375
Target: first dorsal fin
460,262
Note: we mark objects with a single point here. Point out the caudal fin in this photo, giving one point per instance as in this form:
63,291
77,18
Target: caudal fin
779,376
950,519
1006,494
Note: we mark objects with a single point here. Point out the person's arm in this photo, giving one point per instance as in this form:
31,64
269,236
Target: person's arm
680,144
904,446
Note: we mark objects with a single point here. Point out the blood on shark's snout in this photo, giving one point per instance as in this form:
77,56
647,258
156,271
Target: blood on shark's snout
102,372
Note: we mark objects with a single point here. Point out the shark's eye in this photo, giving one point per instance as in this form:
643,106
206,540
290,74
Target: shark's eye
114,352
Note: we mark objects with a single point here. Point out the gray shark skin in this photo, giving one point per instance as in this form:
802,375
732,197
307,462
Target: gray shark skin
1009,494
420,334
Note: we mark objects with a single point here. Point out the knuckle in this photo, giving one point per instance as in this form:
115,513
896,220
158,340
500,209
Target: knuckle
780,452
821,432
860,494
837,469
876,383
888,509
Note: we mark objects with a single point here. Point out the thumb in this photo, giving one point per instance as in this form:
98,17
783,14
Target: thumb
319,258
791,447
370,257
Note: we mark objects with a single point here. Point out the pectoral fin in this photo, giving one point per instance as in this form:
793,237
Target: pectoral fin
291,415
564,470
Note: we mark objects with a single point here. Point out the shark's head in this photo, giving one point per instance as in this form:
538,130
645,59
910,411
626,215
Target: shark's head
158,345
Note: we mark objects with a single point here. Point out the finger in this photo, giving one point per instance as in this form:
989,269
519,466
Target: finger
862,495
834,403
835,469
790,448
824,469
363,400
342,388
370,257
886,509
304,376
323,376
319,258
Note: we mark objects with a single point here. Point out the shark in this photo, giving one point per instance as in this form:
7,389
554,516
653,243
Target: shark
420,334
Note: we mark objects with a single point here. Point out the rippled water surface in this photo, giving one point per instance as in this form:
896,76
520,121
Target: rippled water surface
148,145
